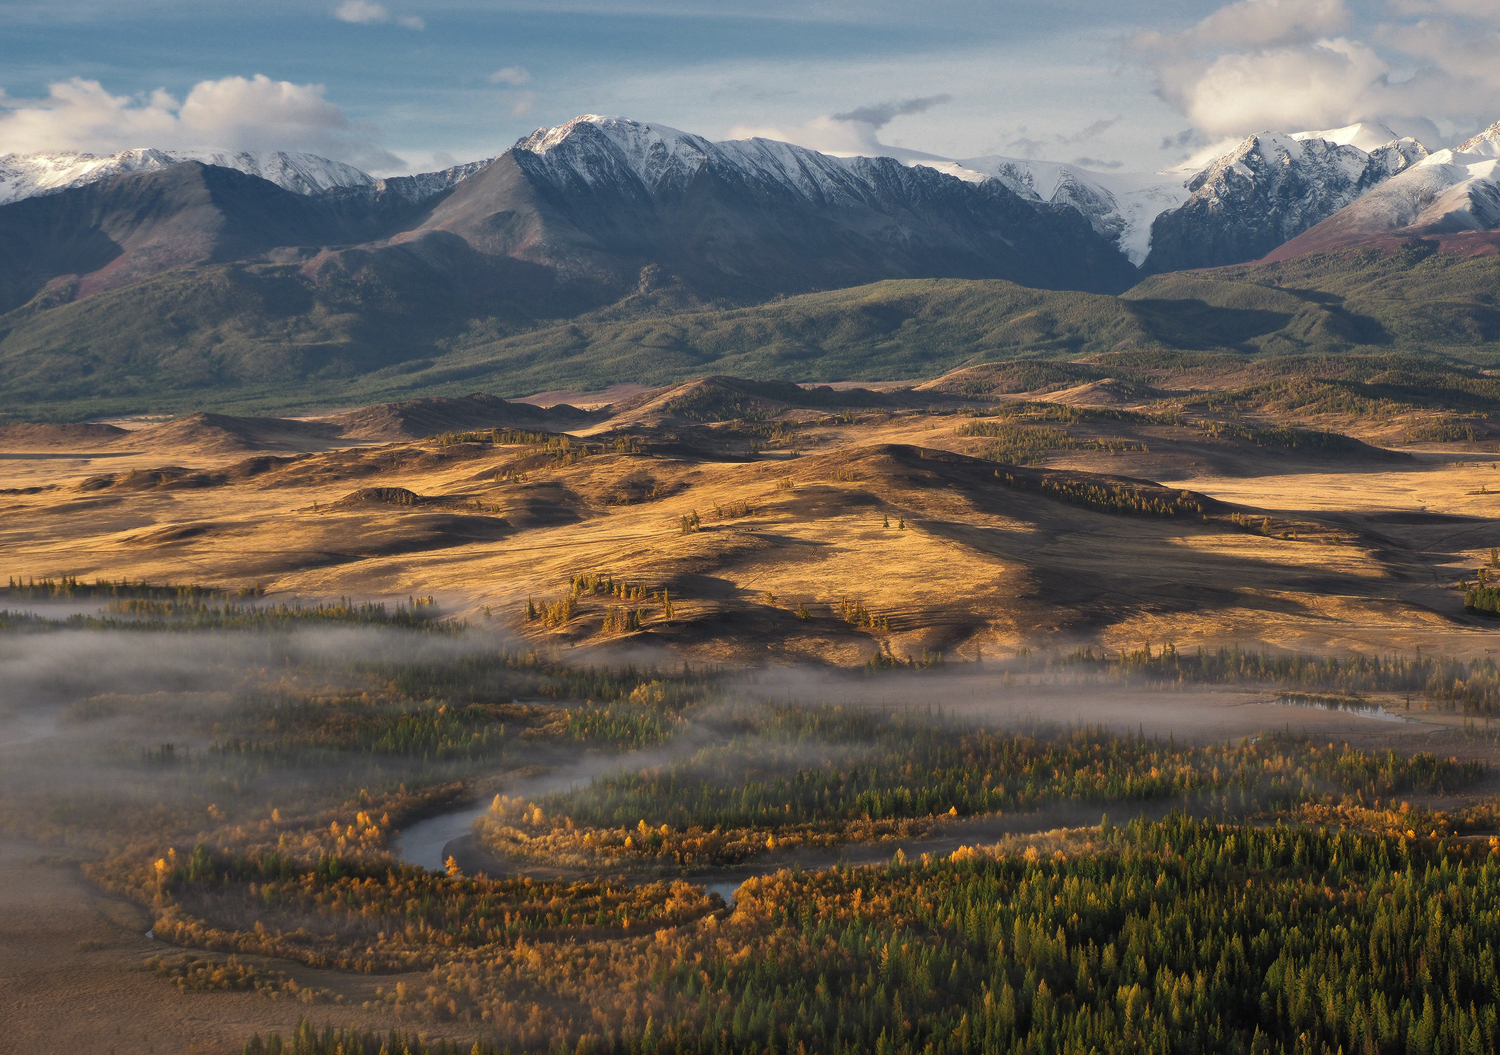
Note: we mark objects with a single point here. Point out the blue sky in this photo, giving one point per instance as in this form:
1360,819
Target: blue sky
403,85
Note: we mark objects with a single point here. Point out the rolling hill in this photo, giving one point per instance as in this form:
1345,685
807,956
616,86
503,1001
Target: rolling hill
257,338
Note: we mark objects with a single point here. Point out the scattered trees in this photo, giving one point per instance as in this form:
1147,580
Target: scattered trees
1109,497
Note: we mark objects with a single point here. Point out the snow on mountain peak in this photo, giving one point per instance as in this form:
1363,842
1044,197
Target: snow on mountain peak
297,172
1119,206
1271,188
656,154
1485,144
1447,190
1364,135
28,175
636,137
603,150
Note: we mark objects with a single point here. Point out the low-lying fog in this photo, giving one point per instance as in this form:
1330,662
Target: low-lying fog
80,709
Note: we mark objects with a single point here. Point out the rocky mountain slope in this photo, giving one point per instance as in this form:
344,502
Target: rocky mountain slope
1246,203
125,228
623,204
1452,196
602,207
1120,206
1268,190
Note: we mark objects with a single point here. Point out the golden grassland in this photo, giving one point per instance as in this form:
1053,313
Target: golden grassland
798,515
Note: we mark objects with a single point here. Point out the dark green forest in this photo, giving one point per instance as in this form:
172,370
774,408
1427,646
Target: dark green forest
259,338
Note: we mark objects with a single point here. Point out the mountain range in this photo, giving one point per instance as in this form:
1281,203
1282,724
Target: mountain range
29,175
618,193
1450,196
596,207
207,269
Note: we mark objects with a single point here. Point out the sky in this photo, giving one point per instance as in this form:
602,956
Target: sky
409,85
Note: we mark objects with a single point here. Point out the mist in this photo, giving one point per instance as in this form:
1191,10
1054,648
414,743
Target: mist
92,717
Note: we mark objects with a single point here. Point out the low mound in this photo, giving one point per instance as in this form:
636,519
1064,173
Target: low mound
998,379
391,496
905,466
723,398
225,433
1109,392
432,416
29,435
166,477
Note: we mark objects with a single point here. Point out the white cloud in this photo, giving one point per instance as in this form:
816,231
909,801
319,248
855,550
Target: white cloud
522,104
825,133
515,76
363,11
1320,85
821,133
1287,65
852,132
367,12
234,113
1263,23
1245,24
1481,9
1449,46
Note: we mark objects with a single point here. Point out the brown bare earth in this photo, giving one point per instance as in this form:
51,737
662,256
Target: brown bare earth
72,964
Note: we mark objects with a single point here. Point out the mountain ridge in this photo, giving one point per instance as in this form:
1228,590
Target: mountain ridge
1243,204
606,250
602,206
1446,194
29,175
1268,190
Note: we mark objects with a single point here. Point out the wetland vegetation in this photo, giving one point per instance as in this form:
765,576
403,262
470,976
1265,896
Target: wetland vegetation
1274,893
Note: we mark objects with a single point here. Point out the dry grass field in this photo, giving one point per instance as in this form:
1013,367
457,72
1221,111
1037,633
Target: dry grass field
877,499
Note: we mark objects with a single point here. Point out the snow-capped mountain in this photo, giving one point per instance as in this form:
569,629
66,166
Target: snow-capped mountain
601,207
1120,206
1268,190
424,185
27,175
613,151
582,214
601,197
1448,192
